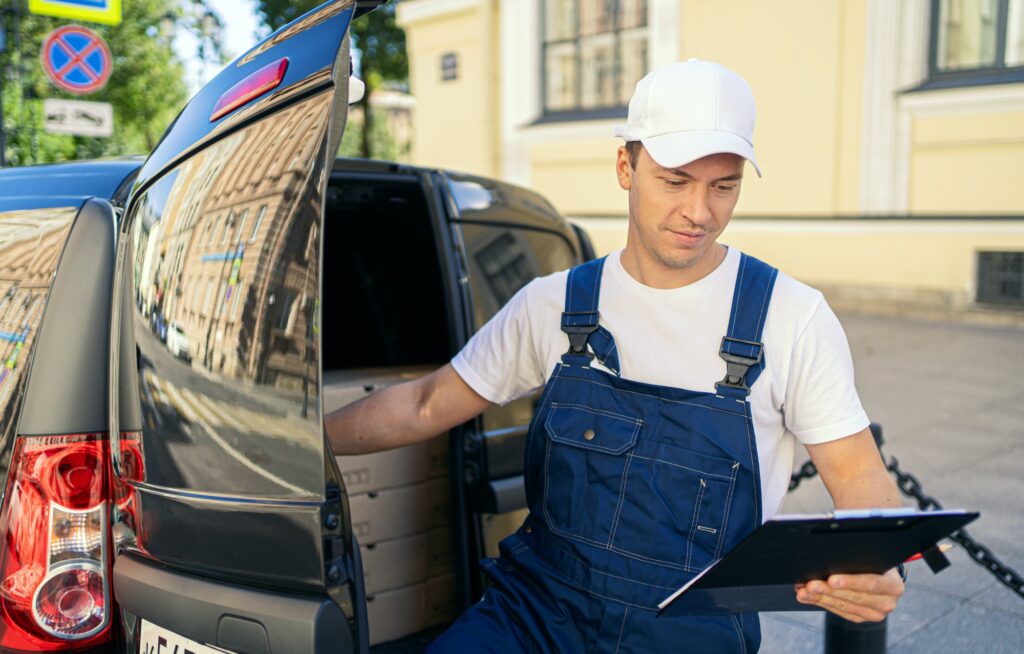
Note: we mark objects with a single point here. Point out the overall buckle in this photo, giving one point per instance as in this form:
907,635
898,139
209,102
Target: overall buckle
579,334
737,365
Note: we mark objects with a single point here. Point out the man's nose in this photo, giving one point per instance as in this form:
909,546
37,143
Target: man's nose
694,205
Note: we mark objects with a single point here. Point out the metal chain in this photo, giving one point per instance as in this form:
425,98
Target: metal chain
911,487
807,470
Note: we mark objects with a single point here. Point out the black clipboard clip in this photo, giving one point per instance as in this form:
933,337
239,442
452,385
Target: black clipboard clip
935,559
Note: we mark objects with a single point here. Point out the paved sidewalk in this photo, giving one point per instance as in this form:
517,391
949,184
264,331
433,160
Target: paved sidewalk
950,398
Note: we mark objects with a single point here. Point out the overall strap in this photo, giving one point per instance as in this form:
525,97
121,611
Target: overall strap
580,318
742,348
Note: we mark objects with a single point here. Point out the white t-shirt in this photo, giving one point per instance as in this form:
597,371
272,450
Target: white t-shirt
671,337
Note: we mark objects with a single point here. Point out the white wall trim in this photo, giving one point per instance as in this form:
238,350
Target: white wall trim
878,127
972,99
913,69
414,11
573,130
979,228
896,52
662,33
520,83
976,227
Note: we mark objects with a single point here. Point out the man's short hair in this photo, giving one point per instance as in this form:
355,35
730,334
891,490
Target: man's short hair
633,150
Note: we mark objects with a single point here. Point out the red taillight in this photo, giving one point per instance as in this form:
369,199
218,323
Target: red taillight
251,87
55,571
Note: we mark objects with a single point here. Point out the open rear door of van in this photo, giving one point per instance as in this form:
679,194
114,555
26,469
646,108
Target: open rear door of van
231,525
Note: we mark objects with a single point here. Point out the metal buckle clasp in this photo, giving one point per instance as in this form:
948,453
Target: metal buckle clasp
737,365
578,334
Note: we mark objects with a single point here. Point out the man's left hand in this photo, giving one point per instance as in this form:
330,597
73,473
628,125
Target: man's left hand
856,597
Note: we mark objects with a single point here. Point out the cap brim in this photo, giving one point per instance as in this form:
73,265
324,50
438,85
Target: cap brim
680,148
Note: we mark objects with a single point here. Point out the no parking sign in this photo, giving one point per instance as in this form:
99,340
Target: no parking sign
76,59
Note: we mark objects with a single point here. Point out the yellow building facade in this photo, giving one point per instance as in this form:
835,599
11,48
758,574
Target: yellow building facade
890,132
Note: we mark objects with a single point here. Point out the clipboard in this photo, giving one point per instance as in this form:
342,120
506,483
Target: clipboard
760,572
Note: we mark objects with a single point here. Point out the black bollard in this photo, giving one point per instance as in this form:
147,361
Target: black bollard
845,637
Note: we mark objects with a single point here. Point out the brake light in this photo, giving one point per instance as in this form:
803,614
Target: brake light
251,87
55,567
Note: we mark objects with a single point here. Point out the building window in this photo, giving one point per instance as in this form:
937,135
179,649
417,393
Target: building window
449,67
259,221
1001,278
977,39
241,224
227,227
594,53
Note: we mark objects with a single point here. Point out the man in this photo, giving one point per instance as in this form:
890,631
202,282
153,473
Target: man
679,375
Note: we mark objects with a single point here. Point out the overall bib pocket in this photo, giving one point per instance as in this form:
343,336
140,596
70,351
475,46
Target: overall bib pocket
675,506
584,468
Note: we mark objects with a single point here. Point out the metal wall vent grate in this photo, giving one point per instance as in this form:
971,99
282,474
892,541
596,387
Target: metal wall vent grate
1001,278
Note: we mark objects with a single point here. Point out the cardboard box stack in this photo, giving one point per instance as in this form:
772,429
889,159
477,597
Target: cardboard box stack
401,515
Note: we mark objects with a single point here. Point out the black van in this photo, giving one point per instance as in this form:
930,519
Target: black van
172,333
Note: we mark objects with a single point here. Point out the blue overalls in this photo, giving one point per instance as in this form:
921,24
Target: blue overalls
632,489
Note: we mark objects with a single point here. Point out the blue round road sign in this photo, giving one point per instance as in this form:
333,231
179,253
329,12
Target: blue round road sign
76,59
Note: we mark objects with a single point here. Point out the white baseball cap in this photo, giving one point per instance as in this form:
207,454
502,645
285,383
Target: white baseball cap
689,109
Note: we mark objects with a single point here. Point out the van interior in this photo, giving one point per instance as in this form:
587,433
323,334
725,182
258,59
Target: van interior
386,320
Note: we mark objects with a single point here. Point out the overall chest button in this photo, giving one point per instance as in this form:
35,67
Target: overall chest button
589,435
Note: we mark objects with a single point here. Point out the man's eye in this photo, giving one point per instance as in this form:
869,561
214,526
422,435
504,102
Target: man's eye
675,182
725,188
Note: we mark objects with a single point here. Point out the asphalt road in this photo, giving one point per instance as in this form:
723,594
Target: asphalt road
220,436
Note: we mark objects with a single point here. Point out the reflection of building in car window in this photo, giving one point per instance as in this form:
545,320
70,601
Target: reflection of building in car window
231,234
503,259
505,263
31,242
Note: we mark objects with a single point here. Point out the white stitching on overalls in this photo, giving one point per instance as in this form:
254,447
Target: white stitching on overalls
725,517
632,581
540,407
597,288
693,521
739,633
590,568
662,399
593,593
604,412
749,419
702,472
736,294
647,559
631,442
622,630
622,496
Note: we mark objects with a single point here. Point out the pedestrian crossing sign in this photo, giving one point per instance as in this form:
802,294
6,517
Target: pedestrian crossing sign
92,11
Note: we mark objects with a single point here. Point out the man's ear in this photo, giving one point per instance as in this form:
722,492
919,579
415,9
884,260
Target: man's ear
624,169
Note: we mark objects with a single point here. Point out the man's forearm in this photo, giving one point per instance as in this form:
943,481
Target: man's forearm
872,488
404,414
854,473
383,420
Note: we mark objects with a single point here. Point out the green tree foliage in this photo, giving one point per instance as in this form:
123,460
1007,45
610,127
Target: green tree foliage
147,87
380,43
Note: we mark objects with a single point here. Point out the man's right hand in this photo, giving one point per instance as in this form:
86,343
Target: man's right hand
404,414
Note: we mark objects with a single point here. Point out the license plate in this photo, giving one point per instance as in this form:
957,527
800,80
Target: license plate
157,640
